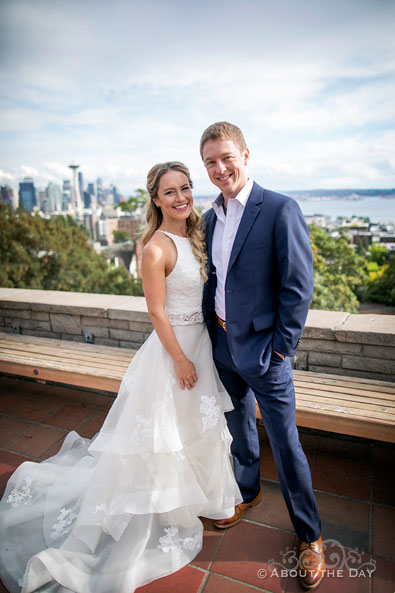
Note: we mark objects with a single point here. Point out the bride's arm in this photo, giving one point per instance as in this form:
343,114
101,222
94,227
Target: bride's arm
154,261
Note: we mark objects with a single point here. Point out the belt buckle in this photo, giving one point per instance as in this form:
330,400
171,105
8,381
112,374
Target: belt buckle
222,323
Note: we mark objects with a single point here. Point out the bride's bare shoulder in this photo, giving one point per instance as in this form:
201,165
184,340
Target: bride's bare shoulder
160,248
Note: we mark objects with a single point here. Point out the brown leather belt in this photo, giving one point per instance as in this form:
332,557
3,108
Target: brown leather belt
222,323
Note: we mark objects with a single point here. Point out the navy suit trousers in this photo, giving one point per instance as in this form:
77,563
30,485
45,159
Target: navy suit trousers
275,394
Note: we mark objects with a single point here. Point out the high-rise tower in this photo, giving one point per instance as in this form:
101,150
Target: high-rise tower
77,202
8,196
27,194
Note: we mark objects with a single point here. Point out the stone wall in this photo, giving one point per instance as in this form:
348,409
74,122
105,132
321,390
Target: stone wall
333,342
344,344
111,320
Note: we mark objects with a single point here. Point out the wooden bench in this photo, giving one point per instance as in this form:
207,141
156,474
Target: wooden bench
335,403
345,405
62,361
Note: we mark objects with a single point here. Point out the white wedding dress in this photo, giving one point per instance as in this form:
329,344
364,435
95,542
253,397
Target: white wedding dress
113,513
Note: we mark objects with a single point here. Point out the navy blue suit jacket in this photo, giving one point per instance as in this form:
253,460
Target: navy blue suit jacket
269,282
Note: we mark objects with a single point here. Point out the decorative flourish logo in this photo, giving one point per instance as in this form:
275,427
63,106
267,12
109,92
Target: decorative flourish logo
339,562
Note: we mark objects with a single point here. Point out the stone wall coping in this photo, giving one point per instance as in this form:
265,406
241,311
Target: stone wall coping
368,329
58,297
370,322
77,303
331,320
327,325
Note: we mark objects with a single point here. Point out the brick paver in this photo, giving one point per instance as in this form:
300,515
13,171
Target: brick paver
353,479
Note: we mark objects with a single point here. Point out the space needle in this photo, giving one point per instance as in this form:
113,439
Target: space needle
77,202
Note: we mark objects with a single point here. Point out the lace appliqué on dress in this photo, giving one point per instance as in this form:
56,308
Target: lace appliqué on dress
63,524
22,495
173,542
181,319
210,411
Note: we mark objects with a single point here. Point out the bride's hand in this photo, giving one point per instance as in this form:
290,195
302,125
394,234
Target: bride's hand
186,373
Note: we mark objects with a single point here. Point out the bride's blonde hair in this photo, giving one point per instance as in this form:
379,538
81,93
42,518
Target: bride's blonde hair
154,217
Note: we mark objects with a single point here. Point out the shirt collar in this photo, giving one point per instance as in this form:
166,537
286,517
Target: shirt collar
241,197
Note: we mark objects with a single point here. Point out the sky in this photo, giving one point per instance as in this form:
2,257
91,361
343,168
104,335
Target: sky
118,86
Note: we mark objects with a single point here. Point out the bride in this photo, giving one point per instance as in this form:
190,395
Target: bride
113,513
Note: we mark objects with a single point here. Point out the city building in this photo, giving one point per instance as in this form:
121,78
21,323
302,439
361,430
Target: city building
91,224
99,190
81,182
86,198
105,230
27,194
42,201
54,195
67,195
77,201
129,224
317,219
8,196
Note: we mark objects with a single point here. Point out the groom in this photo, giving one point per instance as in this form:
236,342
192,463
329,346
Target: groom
255,305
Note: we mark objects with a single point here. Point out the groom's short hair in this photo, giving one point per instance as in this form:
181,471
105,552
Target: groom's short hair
225,131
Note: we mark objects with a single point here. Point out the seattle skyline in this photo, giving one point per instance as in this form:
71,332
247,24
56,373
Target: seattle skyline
118,88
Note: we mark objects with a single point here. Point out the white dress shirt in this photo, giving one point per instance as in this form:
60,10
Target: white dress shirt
224,235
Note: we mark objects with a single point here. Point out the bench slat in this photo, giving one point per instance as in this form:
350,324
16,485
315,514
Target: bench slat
77,370
365,427
323,407
363,391
341,425
43,358
57,375
362,402
76,349
72,355
374,384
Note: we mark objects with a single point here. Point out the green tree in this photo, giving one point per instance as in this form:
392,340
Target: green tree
378,254
338,272
362,244
121,236
380,285
135,203
54,254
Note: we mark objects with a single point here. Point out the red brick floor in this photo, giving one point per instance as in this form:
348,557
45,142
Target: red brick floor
354,481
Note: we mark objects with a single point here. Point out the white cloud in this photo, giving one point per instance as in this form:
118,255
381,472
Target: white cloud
28,171
7,178
351,162
120,87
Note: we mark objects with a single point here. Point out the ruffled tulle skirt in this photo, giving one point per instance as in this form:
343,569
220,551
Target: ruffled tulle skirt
113,513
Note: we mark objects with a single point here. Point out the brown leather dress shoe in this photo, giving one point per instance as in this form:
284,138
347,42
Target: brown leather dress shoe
311,564
240,509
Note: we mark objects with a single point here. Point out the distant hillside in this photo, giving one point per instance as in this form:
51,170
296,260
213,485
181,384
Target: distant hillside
306,194
341,193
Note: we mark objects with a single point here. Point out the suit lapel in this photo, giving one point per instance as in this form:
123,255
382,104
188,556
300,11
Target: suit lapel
251,211
211,220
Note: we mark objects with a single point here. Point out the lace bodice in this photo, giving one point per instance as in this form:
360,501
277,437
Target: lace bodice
184,285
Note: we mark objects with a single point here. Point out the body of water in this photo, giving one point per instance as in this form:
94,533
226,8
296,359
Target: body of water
378,209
